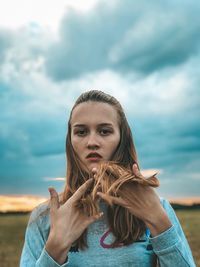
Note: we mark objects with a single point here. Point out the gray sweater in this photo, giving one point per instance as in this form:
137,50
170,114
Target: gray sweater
169,249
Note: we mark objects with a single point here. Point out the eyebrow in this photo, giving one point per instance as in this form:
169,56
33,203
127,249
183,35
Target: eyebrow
101,124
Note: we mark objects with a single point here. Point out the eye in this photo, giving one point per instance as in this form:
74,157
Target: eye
80,132
105,131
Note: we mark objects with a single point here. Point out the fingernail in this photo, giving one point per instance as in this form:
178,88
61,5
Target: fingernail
51,191
99,215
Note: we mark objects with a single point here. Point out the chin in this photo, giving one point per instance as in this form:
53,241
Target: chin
93,165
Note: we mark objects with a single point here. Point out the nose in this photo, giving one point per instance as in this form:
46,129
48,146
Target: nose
93,142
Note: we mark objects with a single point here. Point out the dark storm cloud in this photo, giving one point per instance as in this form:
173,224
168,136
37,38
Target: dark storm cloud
25,131
160,41
32,139
126,36
29,136
46,136
166,142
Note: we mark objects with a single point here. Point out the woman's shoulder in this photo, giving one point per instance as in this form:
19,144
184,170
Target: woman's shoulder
39,222
40,213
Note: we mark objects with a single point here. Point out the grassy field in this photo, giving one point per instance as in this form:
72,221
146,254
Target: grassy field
12,229
190,222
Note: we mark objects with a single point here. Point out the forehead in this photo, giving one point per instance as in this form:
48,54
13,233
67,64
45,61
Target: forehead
94,113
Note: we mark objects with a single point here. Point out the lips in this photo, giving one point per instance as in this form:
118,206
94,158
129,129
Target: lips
93,155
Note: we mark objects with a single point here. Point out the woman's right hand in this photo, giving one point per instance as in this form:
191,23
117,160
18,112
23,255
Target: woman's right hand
67,223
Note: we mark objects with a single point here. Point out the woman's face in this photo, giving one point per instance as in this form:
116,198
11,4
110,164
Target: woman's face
95,132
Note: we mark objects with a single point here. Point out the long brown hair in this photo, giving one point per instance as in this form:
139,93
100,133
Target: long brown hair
125,155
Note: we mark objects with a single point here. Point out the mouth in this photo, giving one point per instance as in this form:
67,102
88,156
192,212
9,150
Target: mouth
93,157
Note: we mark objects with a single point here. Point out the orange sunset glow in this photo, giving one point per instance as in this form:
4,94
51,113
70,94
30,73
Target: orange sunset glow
19,203
26,203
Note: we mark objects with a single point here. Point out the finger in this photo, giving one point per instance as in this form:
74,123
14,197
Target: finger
82,189
95,218
112,200
54,201
94,170
136,171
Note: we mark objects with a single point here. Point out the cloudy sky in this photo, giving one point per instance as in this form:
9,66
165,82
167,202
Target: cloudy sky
145,53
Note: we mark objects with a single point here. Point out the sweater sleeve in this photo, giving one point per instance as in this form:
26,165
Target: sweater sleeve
171,246
33,252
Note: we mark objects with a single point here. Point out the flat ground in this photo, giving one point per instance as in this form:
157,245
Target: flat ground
12,229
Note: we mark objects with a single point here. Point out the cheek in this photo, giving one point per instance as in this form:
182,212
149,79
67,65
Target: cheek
114,143
76,144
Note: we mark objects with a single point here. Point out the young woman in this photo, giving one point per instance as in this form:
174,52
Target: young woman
59,234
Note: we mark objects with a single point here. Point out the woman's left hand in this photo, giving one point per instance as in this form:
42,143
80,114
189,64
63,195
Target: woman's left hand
144,203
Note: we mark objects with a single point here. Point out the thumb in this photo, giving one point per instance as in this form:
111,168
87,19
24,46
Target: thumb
54,201
95,217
